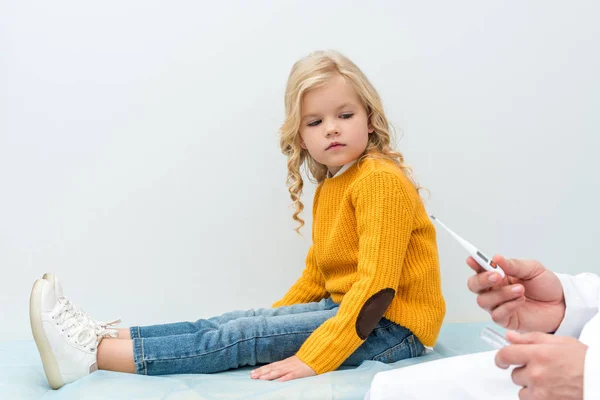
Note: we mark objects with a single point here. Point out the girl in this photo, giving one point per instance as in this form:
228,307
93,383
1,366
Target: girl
371,287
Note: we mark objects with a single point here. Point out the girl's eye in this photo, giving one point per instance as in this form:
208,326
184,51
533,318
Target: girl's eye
346,115
314,123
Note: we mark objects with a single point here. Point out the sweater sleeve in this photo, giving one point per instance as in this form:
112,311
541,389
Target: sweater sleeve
311,285
384,207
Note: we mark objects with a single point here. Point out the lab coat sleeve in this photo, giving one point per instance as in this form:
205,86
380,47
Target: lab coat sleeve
582,293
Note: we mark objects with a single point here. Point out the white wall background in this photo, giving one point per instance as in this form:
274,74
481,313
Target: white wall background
139,157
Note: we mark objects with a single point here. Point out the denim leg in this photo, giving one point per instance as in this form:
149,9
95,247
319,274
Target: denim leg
180,328
271,336
262,339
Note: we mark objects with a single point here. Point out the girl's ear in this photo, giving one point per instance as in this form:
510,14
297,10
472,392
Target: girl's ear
371,129
302,144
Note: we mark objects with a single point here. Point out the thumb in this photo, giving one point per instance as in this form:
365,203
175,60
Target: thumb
532,338
521,269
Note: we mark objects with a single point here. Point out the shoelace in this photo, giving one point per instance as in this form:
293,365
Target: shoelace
76,324
94,323
97,325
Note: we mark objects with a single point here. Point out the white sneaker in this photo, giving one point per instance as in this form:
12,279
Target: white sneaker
67,344
97,325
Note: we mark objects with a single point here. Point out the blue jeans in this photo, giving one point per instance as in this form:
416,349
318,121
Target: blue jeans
254,337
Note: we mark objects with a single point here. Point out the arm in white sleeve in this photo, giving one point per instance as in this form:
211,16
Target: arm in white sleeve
581,299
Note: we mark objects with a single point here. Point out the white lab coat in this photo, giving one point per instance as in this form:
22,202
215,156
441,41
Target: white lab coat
475,376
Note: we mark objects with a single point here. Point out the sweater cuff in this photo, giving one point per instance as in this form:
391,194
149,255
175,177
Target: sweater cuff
323,358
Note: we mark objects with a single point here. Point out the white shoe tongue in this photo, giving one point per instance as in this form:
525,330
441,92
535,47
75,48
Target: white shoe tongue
58,288
49,298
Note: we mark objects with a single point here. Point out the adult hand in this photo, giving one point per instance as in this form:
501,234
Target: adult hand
550,367
529,298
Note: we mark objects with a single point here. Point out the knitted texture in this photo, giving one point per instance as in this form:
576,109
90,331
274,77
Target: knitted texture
370,232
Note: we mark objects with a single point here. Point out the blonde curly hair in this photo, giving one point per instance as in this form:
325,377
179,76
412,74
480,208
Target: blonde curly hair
312,72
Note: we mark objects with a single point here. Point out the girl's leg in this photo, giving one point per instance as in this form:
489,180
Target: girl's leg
387,343
118,355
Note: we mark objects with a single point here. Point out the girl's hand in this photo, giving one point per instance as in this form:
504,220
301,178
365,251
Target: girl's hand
285,370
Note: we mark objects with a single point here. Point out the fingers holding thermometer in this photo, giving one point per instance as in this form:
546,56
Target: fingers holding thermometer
496,295
483,281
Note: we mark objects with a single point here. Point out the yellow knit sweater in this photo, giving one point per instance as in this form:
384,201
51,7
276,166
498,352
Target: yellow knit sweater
371,236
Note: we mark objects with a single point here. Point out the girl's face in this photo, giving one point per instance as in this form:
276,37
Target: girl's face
335,126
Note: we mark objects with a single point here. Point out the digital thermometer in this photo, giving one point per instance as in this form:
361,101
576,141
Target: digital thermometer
484,261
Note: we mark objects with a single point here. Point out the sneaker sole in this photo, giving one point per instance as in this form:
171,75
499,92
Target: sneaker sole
35,317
